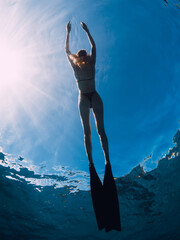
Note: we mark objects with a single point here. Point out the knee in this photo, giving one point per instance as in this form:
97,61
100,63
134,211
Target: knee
101,131
87,134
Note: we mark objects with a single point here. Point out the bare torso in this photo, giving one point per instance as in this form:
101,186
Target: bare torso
85,75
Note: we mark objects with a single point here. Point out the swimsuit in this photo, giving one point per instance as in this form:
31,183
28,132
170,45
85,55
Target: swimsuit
85,77
89,96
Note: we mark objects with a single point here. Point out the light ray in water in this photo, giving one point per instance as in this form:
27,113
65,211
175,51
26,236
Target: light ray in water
27,64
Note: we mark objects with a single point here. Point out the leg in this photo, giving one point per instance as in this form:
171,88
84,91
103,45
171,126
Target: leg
84,109
97,106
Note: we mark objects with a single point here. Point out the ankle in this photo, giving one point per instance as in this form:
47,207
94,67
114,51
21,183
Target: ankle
91,164
107,162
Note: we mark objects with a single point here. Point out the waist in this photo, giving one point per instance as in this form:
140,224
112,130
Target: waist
87,94
86,85
83,80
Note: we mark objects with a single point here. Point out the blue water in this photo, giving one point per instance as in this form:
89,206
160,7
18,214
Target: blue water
55,206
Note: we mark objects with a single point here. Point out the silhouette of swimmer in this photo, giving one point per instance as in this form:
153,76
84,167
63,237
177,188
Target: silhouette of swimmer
104,196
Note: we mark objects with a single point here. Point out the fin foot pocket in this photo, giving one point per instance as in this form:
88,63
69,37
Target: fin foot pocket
97,194
112,203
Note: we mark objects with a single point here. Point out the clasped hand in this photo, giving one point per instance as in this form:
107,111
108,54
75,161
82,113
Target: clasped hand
83,25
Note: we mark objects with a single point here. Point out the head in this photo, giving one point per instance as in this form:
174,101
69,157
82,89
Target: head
81,53
81,58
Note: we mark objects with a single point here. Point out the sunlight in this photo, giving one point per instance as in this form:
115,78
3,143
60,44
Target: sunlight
20,64
33,93
11,62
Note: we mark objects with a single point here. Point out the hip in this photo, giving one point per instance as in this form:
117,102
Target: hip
89,99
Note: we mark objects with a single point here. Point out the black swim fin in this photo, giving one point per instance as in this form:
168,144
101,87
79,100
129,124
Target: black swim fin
112,219
97,194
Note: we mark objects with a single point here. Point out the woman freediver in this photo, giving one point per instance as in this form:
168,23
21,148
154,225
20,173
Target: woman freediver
104,196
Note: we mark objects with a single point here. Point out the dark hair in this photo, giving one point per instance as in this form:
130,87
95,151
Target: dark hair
81,53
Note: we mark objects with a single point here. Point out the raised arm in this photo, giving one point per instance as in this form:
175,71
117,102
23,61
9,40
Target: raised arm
68,52
68,29
93,45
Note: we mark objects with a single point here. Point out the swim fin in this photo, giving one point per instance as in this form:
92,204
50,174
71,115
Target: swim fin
112,219
97,194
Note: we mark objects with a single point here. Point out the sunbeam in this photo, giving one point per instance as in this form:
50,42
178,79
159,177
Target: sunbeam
27,64
35,101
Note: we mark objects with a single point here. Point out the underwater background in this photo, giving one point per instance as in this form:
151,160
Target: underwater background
38,206
44,185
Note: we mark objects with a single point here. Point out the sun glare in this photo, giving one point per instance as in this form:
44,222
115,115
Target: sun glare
11,65
28,64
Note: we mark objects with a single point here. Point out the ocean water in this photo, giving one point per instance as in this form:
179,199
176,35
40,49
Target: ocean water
54,206
44,177
39,206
